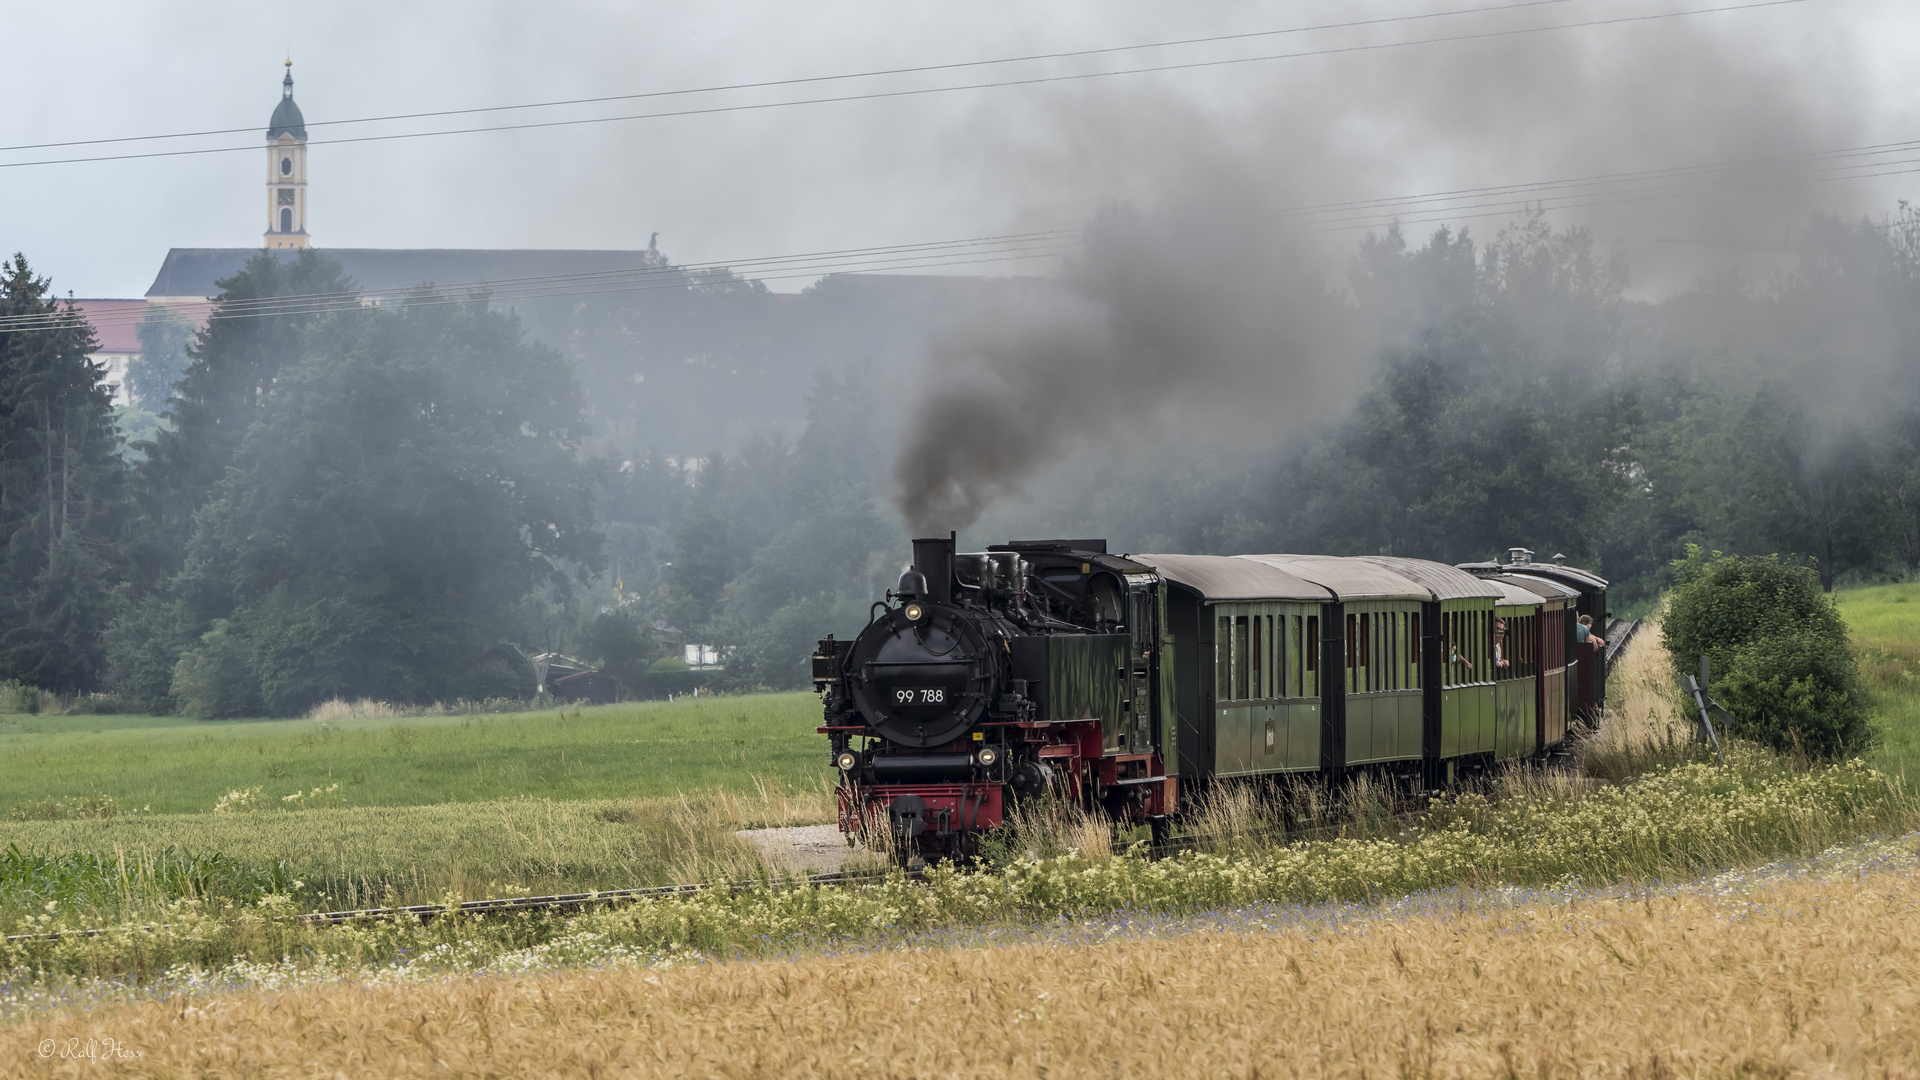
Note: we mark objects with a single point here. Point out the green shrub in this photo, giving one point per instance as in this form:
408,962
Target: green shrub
622,641
143,644
18,697
1781,660
214,680
1797,692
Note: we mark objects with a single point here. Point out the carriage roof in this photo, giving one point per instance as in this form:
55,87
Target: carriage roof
1226,578
1443,581
1348,579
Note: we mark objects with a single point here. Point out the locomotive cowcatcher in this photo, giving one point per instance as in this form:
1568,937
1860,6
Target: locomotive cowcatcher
1033,669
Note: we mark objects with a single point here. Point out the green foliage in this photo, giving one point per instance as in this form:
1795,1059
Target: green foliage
1780,656
144,643
18,697
63,498
624,644
1490,418
407,480
214,679
165,334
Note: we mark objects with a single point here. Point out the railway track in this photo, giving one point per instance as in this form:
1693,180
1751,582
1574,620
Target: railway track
571,903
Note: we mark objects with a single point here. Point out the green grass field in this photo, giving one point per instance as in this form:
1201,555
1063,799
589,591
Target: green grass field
407,810
1885,622
175,766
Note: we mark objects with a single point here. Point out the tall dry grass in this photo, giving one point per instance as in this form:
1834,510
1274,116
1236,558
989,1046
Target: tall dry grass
1050,829
1647,724
336,709
1813,979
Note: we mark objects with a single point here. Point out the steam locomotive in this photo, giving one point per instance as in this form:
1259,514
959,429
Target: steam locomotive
1129,683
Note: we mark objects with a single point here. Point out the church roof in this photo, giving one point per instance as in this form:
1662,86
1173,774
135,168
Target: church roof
286,115
194,271
116,323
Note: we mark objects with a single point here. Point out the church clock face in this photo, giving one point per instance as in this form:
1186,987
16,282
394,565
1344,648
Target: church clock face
286,196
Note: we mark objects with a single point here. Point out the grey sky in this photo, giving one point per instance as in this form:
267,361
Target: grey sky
1814,75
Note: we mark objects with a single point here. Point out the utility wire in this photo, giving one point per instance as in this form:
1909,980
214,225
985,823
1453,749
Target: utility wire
975,250
1582,192
1036,80
812,79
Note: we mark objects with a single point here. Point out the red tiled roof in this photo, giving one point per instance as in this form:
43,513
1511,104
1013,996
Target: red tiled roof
116,323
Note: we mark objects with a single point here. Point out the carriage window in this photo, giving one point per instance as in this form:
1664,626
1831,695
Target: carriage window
1222,655
1400,652
1259,669
1240,656
1296,658
1366,652
1274,659
1353,653
1413,650
1310,649
1474,633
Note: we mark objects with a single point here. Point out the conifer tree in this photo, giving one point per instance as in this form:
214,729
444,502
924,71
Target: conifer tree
62,491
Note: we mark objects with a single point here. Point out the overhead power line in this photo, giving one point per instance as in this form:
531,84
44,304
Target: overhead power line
876,95
767,84
1452,205
894,258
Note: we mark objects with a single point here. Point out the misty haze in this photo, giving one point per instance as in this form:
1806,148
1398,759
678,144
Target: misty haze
420,414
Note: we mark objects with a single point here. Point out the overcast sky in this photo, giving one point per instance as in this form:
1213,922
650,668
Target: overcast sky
1781,80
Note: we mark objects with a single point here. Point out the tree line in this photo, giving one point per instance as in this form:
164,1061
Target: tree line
404,502
1521,397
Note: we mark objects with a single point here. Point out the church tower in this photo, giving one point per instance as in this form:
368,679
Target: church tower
287,171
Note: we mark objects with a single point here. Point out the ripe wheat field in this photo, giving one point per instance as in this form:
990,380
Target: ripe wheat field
1796,979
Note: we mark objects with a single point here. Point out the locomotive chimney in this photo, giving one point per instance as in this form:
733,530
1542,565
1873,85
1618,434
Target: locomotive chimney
934,558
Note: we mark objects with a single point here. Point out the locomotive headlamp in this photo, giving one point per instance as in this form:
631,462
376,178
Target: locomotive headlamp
988,756
847,760
915,613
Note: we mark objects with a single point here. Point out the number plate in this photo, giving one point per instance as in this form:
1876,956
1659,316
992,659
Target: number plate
934,695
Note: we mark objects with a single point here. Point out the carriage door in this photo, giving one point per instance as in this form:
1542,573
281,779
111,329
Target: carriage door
1143,619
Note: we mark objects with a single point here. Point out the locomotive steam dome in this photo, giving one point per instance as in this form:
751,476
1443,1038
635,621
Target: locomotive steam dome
922,681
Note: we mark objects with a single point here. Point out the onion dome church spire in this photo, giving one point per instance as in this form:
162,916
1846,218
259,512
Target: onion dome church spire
287,171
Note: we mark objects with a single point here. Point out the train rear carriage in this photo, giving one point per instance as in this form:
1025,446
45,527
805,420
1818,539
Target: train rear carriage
1586,663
